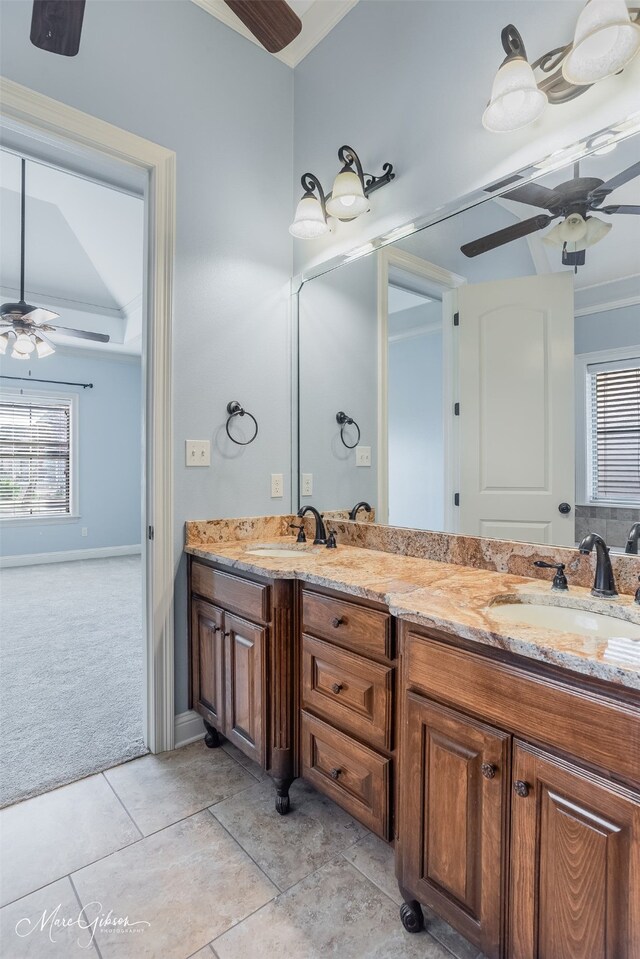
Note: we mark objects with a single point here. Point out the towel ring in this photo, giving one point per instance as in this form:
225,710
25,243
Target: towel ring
345,420
234,409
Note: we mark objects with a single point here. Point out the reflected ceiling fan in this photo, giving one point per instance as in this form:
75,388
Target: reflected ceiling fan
26,324
572,200
56,25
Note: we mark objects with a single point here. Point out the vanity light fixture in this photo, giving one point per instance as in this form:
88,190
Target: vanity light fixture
347,200
607,37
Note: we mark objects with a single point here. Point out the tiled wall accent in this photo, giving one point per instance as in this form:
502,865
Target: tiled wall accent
610,522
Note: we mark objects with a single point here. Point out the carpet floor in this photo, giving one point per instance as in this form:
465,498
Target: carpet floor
71,672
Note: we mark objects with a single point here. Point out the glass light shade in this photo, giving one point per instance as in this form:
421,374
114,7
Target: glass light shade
17,355
309,221
577,232
24,344
604,42
596,231
515,98
43,349
4,343
347,199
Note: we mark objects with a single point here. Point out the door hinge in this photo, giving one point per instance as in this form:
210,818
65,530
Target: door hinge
456,409
456,319
151,532
456,499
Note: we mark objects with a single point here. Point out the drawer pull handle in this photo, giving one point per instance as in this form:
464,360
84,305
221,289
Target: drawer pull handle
489,770
335,773
337,621
521,788
336,687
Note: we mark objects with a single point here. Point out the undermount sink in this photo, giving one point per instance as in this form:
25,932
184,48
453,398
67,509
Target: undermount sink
270,550
566,619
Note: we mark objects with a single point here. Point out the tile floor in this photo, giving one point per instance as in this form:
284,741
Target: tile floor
187,846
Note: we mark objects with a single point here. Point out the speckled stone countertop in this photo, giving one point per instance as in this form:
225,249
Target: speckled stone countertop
454,598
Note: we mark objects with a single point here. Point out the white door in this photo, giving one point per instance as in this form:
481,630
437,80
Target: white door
516,422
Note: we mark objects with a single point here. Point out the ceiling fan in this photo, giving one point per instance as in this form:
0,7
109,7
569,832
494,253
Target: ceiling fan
56,25
572,200
28,325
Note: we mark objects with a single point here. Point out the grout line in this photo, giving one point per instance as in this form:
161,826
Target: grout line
77,895
248,854
112,787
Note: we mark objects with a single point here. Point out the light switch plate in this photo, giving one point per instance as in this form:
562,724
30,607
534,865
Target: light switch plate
307,484
363,456
277,486
198,452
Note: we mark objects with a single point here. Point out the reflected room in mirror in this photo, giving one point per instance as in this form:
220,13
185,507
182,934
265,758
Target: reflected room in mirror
487,366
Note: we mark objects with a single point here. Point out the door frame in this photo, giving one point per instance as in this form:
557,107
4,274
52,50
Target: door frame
41,115
446,283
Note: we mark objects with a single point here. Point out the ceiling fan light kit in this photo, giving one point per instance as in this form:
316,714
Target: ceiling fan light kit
348,199
607,37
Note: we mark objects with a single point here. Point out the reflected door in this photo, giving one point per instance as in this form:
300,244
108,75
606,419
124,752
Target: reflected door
517,445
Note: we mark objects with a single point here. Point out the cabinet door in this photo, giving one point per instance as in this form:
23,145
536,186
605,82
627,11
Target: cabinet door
245,646
454,778
207,661
575,863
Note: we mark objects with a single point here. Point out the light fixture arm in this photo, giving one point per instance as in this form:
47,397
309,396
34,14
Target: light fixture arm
310,183
512,42
370,183
22,230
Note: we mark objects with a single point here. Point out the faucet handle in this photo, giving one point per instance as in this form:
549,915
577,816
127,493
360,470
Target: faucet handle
637,599
301,538
559,580
331,541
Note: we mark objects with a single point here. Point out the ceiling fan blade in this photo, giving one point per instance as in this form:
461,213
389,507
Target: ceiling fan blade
38,315
56,25
620,208
82,334
272,22
629,174
532,193
500,237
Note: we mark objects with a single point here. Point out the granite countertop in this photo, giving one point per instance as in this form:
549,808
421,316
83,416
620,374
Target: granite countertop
454,598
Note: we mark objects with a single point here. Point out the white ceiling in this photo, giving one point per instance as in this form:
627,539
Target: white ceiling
318,17
84,252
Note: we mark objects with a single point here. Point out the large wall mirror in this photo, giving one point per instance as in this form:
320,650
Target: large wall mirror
487,366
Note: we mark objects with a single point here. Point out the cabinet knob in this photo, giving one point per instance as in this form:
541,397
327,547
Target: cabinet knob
489,770
336,687
337,621
217,629
335,773
226,634
521,788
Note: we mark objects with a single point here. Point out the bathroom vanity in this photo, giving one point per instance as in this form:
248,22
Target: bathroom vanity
502,761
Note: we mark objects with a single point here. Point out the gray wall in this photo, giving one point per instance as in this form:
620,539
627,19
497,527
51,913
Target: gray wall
171,73
109,454
407,82
605,331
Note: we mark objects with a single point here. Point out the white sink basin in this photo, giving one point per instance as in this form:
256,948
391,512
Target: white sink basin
566,619
275,551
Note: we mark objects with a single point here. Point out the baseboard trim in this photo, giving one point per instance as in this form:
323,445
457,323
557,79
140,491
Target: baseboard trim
188,728
66,556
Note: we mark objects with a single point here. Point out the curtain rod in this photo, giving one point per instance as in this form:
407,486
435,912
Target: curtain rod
33,379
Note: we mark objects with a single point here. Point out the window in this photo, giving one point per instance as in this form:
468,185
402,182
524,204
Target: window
36,456
613,431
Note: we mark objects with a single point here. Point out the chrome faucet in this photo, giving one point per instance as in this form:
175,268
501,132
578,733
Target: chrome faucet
604,583
361,505
321,533
633,537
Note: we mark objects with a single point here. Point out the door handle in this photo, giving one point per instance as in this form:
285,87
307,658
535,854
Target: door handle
564,508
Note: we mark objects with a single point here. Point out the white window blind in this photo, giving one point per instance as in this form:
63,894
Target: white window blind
35,457
614,431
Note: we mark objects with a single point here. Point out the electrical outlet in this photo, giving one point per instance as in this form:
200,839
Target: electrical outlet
198,452
363,456
84,531
277,486
307,484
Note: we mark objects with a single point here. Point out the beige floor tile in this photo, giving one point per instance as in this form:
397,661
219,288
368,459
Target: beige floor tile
206,953
289,847
45,838
334,912
190,882
160,790
374,858
256,771
45,925
460,947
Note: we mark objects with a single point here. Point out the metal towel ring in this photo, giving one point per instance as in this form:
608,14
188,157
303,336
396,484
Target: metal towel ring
345,420
234,409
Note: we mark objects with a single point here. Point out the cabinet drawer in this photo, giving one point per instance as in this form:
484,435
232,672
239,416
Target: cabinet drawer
350,691
240,595
351,774
364,630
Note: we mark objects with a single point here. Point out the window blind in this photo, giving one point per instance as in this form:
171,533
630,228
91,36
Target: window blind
615,434
35,451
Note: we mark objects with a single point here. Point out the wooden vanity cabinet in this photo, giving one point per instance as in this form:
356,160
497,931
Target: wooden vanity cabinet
242,664
512,826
